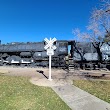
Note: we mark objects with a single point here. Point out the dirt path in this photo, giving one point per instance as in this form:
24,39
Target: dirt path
34,75
59,76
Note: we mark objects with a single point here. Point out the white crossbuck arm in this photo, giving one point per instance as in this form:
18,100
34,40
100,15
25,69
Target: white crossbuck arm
46,40
50,43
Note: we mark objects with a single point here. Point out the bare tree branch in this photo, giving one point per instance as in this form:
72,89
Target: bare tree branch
98,28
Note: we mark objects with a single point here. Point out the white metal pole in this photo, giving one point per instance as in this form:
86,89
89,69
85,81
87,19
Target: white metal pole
50,67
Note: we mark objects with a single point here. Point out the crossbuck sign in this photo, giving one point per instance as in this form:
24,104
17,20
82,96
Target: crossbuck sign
50,51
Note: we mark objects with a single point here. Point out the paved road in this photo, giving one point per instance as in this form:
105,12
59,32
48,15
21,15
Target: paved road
78,99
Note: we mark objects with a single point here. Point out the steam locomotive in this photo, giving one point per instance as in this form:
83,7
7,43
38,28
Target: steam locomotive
83,54
32,54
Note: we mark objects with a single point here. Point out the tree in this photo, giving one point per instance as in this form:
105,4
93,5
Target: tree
98,29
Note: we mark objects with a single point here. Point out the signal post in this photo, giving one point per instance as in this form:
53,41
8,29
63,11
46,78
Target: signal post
50,47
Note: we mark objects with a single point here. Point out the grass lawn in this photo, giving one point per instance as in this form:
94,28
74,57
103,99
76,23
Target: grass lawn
17,93
100,89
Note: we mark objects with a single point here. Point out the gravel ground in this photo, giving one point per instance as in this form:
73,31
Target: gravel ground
31,72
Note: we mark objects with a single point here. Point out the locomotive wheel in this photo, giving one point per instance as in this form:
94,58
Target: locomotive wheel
13,57
4,64
22,65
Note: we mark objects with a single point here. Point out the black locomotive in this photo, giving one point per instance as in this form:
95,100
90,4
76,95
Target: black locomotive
32,54
84,54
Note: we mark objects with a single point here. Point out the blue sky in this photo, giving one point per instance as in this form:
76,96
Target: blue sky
33,20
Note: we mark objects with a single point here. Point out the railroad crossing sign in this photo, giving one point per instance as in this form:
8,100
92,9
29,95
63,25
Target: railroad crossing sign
50,47
50,52
50,43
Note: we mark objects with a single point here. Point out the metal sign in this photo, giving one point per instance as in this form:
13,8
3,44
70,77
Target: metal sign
50,51
50,43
